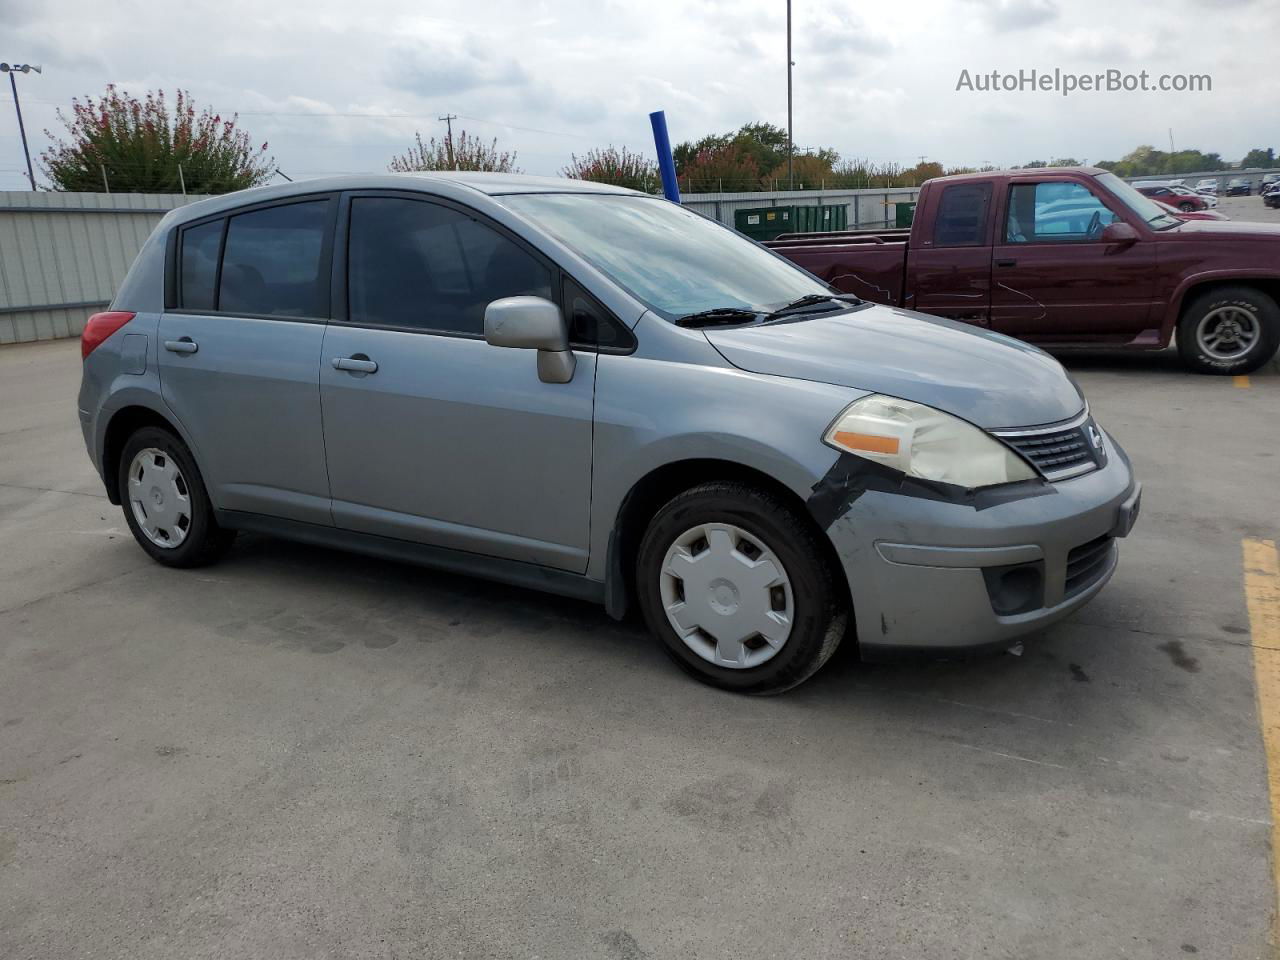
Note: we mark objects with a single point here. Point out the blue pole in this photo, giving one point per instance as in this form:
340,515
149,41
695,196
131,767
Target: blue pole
666,165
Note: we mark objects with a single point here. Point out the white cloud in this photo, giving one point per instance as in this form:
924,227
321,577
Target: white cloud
335,86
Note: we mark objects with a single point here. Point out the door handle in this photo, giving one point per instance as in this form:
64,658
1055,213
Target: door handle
356,364
183,345
1006,263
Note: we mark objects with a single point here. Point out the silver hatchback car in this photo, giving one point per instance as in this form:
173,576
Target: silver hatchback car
585,390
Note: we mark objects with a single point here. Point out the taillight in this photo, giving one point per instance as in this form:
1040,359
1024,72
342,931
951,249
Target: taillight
101,326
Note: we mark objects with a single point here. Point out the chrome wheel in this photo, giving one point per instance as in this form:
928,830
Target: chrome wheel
159,498
1227,332
727,595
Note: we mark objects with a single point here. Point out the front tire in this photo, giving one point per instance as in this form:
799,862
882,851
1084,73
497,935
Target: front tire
736,586
1186,207
165,502
1229,331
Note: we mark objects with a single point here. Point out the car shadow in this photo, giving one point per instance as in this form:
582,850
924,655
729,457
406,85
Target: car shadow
926,688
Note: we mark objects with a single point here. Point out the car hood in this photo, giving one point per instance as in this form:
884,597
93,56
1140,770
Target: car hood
986,378
1197,229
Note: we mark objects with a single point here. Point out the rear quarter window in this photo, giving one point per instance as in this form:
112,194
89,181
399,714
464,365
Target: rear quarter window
962,215
199,276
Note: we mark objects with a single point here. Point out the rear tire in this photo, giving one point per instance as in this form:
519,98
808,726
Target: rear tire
165,502
1186,207
772,567
1229,331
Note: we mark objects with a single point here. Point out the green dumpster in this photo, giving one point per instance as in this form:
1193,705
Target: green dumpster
904,214
765,223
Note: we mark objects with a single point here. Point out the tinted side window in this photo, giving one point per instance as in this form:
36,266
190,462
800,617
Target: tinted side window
200,265
962,215
412,263
274,264
590,324
1059,211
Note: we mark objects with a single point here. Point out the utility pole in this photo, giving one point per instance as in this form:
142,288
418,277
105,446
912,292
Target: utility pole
11,69
1171,150
791,140
448,118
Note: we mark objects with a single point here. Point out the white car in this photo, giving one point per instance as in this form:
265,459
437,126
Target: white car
1208,185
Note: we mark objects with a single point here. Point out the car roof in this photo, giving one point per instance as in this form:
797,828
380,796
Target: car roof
445,183
1020,172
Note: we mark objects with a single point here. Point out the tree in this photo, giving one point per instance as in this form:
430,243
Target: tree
619,167
1259,158
138,146
722,167
462,152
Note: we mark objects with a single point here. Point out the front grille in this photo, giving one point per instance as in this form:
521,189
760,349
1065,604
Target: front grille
1086,563
1059,451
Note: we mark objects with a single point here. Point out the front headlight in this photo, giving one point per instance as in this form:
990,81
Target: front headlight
924,442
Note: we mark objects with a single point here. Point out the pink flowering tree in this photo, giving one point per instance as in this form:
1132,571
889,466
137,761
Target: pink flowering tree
141,146
618,166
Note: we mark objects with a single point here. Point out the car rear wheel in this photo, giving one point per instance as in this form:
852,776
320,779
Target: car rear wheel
1230,330
736,586
1186,207
165,503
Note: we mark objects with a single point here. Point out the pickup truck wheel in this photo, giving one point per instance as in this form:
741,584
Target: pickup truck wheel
735,585
1230,330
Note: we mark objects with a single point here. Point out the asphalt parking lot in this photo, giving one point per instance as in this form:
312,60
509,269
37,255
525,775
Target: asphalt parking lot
300,753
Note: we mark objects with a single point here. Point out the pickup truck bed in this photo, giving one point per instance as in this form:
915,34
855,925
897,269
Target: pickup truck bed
1067,257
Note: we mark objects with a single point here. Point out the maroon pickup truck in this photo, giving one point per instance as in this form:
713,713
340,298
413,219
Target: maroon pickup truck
1068,257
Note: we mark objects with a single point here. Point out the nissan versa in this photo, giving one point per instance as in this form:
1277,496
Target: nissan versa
589,391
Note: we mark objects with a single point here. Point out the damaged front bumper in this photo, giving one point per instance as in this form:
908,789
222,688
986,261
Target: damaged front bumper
936,567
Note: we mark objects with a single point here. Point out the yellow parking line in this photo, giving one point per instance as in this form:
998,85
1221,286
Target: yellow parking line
1241,381
1262,593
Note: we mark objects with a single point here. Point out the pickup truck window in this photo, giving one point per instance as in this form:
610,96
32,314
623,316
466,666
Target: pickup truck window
1057,211
962,215
1151,214
672,259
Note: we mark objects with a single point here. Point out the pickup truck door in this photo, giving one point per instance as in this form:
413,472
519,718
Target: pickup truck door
1052,277
949,266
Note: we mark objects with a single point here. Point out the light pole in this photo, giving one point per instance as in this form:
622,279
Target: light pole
11,69
791,148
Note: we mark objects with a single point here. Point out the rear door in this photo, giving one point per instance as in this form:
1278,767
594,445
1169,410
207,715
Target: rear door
1052,277
240,354
432,434
949,271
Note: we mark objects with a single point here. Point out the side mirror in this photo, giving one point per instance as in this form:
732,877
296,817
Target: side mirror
531,323
1120,234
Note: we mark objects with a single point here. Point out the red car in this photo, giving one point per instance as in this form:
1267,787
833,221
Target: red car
1068,256
1187,201
1192,214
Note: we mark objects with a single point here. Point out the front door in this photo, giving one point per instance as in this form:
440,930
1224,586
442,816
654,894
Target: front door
240,355
1052,277
433,435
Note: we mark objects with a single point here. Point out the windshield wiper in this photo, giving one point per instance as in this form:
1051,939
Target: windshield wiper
717,315
812,300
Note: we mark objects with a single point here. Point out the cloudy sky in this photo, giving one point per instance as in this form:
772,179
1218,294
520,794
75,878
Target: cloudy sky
342,86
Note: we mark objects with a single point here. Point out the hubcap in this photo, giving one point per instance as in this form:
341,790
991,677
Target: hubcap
727,595
1227,333
159,498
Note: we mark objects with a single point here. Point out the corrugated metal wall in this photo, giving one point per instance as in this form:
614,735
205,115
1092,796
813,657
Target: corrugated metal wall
62,255
868,209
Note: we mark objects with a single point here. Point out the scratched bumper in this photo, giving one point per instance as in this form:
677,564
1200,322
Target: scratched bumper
916,566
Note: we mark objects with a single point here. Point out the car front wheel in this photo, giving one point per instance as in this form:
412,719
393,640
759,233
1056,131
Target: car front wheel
736,585
1229,330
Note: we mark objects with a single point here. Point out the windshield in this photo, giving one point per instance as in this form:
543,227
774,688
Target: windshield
1143,206
672,259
